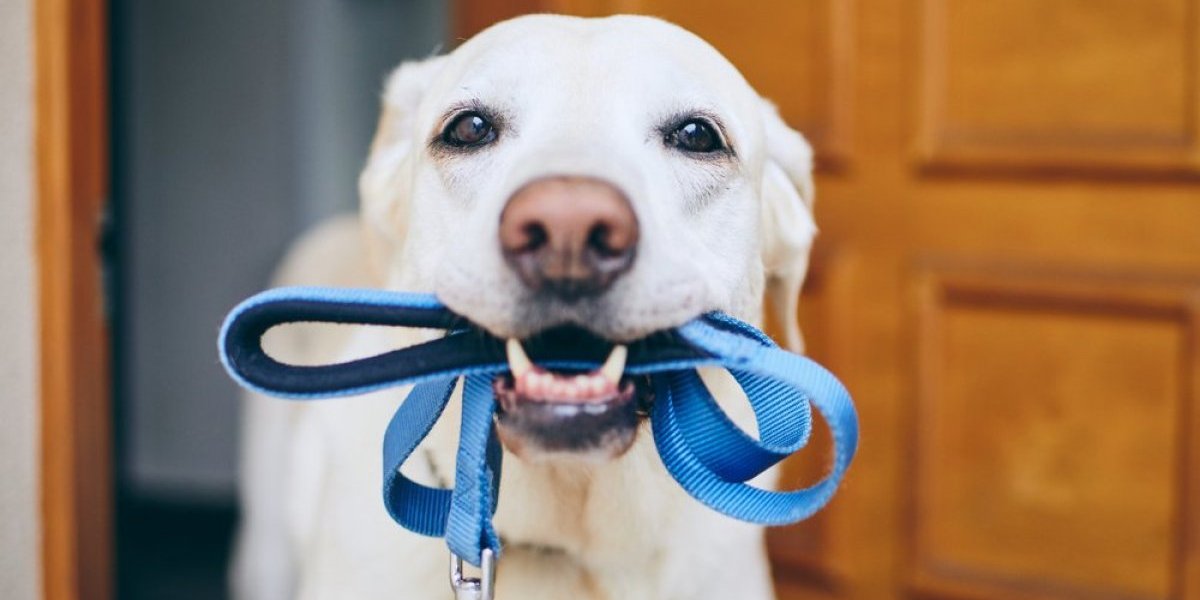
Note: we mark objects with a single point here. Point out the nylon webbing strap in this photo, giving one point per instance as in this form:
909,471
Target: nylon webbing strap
705,452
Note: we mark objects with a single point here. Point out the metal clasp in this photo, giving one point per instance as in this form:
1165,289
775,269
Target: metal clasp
474,589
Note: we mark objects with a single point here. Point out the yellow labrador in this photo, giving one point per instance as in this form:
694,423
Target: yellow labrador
616,175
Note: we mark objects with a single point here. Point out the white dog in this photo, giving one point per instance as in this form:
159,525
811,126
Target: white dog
612,174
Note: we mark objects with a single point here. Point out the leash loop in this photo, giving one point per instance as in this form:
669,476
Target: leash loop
700,447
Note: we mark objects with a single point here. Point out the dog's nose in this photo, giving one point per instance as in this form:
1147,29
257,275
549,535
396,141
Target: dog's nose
569,236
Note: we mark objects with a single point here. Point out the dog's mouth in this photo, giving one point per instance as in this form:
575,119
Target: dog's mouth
546,411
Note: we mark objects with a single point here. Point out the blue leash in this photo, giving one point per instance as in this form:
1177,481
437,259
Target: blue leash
700,447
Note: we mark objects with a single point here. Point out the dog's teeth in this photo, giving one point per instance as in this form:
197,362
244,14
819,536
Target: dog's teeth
561,390
594,408
592,385
570,391
615,365
582,385
565,410
540,384
518,361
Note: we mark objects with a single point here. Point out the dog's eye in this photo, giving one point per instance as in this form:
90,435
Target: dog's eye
696,135
469,129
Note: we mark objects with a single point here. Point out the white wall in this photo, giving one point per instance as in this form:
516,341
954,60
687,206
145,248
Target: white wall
19,549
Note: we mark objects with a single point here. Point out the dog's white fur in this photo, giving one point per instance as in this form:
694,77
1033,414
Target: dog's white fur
578,97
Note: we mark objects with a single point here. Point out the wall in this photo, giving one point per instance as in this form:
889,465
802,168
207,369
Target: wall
19,568
237,125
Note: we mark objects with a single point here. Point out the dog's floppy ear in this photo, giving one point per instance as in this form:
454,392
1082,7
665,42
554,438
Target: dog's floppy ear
787,221
386,181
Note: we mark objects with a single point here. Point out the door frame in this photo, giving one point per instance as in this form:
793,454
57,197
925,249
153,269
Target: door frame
72,182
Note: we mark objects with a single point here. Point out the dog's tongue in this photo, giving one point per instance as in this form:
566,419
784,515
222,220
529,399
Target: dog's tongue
534,383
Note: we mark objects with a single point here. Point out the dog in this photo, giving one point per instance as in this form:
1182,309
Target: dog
615,175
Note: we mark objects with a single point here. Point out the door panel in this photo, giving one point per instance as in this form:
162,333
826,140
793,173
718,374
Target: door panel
1047,442
1007,278
1062,82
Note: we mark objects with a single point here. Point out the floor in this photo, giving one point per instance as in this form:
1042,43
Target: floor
173,551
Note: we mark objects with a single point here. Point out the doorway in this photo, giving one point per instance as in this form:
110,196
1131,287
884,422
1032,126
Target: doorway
235,126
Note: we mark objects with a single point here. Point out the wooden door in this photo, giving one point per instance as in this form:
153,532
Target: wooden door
71,51
1008,278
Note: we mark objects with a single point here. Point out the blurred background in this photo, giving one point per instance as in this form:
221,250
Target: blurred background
1007,275
236,125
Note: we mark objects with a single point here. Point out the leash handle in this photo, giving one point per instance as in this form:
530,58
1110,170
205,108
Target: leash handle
242,354
464,350
704,451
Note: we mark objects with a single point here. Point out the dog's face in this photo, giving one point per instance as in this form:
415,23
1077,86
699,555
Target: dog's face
603,178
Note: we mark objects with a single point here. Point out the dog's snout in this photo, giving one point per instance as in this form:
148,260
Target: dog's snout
569,236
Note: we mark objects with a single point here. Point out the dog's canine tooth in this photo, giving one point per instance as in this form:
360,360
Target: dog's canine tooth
615,365
518,361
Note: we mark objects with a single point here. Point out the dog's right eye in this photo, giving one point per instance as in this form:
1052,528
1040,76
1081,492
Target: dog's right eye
469,129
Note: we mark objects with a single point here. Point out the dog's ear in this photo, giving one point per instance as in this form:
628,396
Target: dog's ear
787,221
386,181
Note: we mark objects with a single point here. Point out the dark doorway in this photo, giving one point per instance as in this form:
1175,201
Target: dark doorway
235,125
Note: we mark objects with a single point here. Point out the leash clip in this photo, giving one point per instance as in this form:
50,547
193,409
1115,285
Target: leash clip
466,588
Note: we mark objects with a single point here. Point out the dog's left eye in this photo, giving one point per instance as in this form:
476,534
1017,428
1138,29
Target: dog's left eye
696,135
469,129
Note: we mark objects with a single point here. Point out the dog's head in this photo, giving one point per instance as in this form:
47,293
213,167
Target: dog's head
596,178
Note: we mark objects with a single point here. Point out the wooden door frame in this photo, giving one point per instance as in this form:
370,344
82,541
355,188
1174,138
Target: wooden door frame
72,183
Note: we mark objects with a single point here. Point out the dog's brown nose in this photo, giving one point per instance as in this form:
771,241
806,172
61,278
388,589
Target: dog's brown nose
568,236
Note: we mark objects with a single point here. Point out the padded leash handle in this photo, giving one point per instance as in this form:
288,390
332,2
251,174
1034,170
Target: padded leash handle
248,363
463,350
